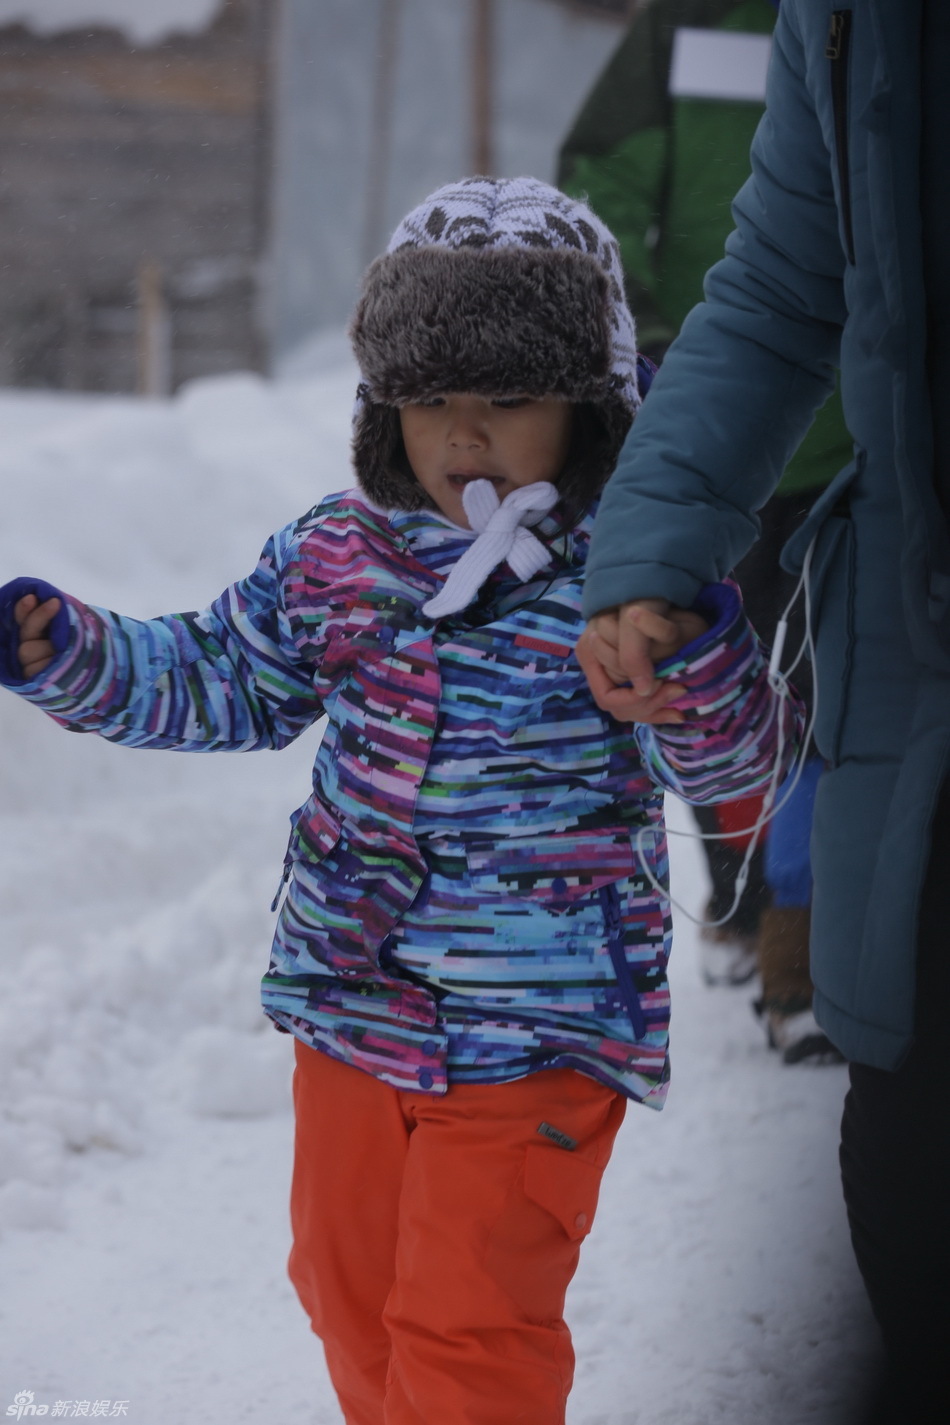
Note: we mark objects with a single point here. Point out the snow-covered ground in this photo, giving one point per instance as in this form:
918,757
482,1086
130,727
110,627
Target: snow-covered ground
145,1128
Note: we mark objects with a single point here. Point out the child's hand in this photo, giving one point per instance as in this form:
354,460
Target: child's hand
619,648
34,619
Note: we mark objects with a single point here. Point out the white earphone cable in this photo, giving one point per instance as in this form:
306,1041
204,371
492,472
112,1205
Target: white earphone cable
778,683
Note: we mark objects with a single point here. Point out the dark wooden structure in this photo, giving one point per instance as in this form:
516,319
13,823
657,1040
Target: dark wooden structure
134,194
612,9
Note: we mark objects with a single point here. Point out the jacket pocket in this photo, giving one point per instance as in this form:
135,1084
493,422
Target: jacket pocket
314,832
565,1186
616,944
534,1246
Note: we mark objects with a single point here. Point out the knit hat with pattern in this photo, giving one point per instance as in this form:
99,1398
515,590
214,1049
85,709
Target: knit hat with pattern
495,287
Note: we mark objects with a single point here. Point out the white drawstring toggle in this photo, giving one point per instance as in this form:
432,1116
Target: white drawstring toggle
502,535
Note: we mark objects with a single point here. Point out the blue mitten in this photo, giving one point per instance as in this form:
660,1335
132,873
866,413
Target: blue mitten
58,632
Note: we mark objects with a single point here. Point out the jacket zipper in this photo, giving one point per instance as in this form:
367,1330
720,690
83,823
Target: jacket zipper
837,51
284,878
610,904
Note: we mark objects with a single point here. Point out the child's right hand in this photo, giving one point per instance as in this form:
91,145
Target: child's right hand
617,652
34,619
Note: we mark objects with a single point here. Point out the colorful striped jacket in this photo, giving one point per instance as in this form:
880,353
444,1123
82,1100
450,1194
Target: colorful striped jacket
466,894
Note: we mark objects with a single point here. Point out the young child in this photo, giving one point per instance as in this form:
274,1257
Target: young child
469,953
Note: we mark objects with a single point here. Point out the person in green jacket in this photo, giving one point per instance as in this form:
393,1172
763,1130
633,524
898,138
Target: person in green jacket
659,149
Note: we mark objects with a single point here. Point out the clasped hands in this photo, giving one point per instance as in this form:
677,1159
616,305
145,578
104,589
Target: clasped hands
618,650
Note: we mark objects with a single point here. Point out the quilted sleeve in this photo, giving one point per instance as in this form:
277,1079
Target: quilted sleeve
227,679
736,726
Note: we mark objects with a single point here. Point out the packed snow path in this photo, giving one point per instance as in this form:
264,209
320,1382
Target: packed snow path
145,1132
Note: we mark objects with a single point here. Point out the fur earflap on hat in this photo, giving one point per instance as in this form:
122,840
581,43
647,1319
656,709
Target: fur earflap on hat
496,287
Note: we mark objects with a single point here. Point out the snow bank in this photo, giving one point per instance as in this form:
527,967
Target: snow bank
144,1129
134,889
144,23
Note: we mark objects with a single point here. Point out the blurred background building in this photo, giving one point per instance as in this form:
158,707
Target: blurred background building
134,197
192,187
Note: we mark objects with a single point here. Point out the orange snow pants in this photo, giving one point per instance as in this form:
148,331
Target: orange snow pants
435,1237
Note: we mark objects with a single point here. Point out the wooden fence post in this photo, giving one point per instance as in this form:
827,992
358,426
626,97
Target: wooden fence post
154,333
483,40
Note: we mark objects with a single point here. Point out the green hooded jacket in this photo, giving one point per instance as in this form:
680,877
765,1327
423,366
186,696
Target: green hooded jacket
661,169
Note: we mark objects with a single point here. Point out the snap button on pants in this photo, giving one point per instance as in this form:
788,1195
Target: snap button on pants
435,1237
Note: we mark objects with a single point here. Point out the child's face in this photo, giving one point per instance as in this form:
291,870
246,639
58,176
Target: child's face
511,441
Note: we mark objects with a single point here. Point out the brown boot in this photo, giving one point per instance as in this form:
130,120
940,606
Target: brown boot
782,951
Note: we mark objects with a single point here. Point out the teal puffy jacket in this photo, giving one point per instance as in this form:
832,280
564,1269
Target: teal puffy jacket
824,269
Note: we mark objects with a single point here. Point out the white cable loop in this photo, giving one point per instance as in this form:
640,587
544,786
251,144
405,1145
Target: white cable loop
778,683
